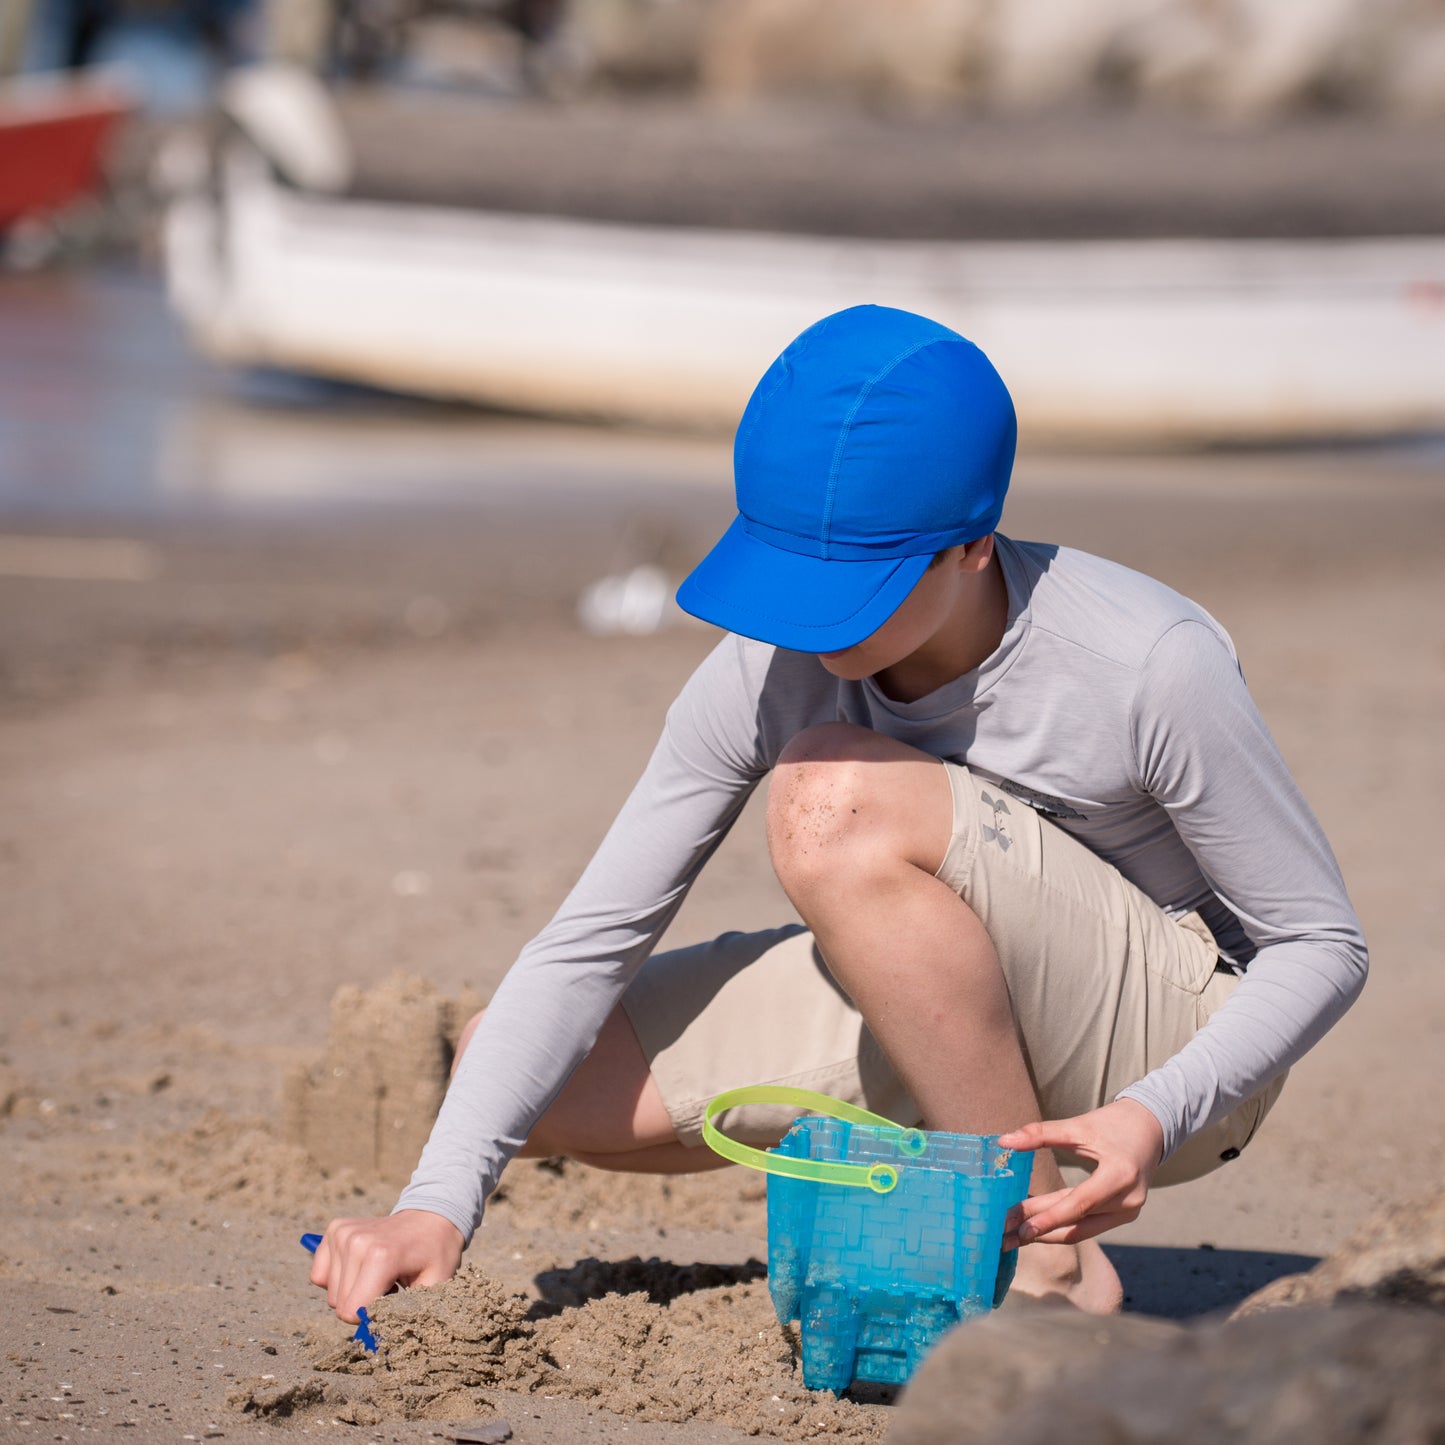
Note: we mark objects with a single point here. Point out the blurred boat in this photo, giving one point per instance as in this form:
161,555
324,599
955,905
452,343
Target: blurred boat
1102,342
53,131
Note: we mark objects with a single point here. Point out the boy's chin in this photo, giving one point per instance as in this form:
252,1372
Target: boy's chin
845,665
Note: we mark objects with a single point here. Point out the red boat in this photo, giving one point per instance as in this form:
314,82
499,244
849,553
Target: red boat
53,132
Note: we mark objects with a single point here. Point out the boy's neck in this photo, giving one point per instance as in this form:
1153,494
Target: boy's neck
971,634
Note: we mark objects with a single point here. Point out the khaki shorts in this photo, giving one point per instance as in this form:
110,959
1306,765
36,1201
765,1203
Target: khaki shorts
1105,987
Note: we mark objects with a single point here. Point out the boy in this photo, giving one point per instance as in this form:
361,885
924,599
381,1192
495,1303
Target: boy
1049,862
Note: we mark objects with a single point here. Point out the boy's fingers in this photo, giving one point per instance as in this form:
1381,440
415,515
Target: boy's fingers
1021,1138
372,1273
374,1280
1051,1134
1037,1203
1088,1227
1030,1209
1069,1207
320,1263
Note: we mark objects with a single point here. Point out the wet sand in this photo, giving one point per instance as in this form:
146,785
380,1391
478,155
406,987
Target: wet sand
299,746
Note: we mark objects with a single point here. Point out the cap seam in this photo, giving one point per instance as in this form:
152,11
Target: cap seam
744,437
757,402
825,531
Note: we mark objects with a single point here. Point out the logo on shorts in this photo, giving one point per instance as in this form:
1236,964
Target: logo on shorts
999,832
1045,803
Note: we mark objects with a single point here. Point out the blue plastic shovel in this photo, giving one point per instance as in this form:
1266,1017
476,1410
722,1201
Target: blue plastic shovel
363,1330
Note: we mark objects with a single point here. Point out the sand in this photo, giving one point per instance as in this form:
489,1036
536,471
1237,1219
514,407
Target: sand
651,1344
224,801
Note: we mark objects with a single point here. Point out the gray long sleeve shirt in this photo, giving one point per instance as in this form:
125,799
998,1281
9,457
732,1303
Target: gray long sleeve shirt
1112,704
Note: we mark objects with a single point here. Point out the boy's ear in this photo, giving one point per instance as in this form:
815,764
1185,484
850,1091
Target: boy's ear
975,556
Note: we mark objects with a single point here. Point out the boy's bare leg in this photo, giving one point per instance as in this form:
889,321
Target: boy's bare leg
858,824
610,1114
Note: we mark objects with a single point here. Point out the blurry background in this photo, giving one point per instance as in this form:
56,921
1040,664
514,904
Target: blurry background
366,372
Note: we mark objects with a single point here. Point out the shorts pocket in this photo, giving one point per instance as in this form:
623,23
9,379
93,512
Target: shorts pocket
1180,951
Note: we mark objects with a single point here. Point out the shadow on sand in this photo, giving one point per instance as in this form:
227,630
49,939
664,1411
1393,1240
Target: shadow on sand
659,1279
1183,1284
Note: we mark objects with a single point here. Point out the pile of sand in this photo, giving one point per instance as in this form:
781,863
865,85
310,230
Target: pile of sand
667,1351
440,1347
368,1106
646,1339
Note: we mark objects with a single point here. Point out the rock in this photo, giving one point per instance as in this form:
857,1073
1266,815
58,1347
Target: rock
1355,1375
480,1432
1414,84
979,1371
1173,55
1286,52
1052,52
633,45
371,1103
1398,1257
915,52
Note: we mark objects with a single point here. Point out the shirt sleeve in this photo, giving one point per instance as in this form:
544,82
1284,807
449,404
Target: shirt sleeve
1204,753
549,1009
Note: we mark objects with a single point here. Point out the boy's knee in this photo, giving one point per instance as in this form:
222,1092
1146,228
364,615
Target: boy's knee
833,798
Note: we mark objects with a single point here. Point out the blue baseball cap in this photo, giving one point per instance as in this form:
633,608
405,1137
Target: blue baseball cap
877,439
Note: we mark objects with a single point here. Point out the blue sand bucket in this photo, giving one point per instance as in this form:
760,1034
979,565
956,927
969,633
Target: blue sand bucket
880,1238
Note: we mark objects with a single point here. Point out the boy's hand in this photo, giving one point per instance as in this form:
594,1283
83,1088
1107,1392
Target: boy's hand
359,1260
1125,1141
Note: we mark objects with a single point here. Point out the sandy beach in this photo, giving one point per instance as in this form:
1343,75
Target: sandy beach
257,749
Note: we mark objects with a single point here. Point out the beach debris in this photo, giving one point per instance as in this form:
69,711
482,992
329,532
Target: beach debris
636,603
411,883
480,1432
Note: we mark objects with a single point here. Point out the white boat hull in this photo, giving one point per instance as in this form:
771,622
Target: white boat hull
1105,343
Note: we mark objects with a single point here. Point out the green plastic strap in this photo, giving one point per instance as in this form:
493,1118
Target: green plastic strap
878,1177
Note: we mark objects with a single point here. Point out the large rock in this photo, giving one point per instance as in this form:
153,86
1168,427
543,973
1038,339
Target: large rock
914,52
1174,54
1286,53
1053,52
1236,57
1365,1371
1414,82
1354,1375
1398,1257
980,1371
632,45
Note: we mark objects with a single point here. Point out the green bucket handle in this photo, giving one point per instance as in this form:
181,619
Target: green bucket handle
880,1178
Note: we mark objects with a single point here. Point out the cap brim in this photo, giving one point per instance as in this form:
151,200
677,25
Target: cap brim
805,604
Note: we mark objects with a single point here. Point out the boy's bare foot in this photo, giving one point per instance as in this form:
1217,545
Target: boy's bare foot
1079,1274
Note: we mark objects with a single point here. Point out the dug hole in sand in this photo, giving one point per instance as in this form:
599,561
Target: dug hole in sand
646,1339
